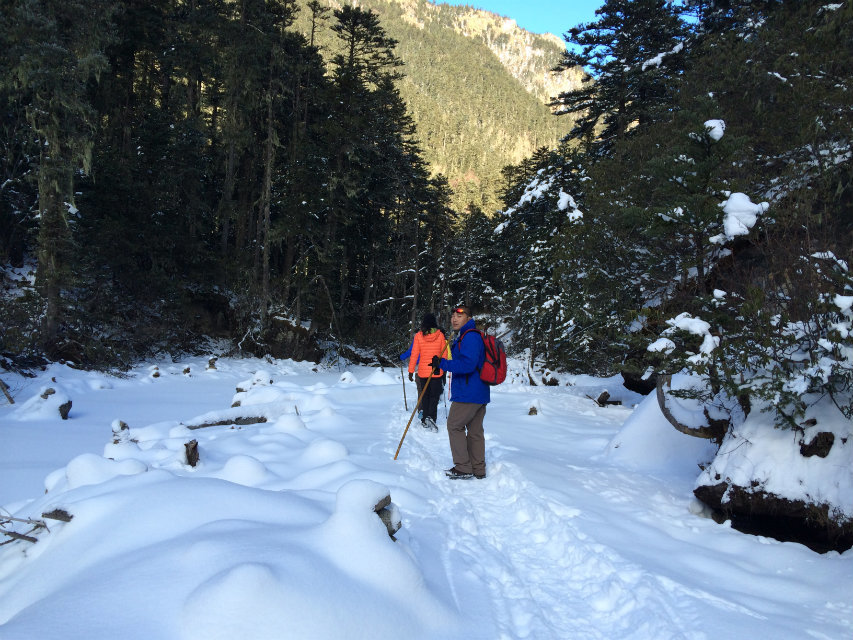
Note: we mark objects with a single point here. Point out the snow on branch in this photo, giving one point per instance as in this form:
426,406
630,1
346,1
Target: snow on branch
696,326
741,215
658,59
568,202
715,129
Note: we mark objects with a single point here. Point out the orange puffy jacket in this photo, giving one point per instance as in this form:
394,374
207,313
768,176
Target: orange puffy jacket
426,346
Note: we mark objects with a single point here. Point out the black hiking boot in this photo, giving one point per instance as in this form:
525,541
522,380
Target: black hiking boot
453,474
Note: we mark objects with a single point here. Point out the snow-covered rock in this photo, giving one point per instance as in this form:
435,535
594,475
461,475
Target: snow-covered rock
799,480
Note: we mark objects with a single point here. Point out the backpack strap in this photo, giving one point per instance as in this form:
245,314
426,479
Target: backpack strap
464,333
459,340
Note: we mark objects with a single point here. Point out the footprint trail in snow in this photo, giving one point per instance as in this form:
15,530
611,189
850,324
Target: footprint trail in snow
544,576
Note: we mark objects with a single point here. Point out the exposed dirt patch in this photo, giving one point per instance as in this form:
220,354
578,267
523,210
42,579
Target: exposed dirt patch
757,512
819,445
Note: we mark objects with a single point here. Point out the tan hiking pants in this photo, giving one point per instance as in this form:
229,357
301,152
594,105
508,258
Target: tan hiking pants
468,450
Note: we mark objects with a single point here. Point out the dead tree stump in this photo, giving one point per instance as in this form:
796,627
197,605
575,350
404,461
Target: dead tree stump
389,515
6,393
191,448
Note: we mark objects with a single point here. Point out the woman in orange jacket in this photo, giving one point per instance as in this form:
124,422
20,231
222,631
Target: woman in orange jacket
429,342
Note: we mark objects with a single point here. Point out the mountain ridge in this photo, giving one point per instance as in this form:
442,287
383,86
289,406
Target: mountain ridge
477,86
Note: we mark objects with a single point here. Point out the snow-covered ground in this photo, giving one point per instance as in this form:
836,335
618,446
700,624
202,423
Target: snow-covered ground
582,529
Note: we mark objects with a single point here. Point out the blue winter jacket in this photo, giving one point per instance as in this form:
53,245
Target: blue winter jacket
468,355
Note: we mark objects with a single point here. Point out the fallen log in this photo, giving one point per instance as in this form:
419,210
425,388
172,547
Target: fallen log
56,514
221,423
19,536
36,525
603,399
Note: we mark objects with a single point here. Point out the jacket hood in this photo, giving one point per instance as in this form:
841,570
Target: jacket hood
436,336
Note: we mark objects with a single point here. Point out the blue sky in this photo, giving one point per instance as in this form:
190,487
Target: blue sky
539,16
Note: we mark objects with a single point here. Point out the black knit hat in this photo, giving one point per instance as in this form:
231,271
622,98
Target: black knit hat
429,322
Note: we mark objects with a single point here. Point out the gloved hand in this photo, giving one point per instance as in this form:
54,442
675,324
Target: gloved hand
411,377
436,364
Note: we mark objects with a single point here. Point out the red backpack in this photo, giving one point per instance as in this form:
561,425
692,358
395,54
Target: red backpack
493,371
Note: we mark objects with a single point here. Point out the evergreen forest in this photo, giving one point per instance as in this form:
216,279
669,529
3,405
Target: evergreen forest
477,89
699,215
175,172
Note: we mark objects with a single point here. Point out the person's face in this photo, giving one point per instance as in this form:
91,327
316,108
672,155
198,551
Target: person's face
458,319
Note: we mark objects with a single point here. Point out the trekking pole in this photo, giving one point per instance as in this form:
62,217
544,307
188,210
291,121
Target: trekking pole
423,391
403,378
444,391
445,401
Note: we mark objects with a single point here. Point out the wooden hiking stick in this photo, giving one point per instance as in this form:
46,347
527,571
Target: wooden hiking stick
420,397
423,391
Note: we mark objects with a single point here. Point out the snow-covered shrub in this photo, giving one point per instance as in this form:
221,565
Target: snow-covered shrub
787,348
545,203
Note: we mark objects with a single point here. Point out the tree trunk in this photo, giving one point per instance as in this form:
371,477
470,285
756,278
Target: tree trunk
54,236
415,272
226,202
287,268
709,431
368,290
266,197
344,273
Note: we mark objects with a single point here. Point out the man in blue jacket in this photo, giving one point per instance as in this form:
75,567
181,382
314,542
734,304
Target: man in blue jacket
469,396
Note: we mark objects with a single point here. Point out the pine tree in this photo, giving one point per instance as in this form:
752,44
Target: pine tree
530,235
56,48
632,53
365,134
438,221
779,314
475,268
18,150
720,16
148,209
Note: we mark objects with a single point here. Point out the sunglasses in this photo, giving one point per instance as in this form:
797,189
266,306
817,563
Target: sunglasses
461,310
